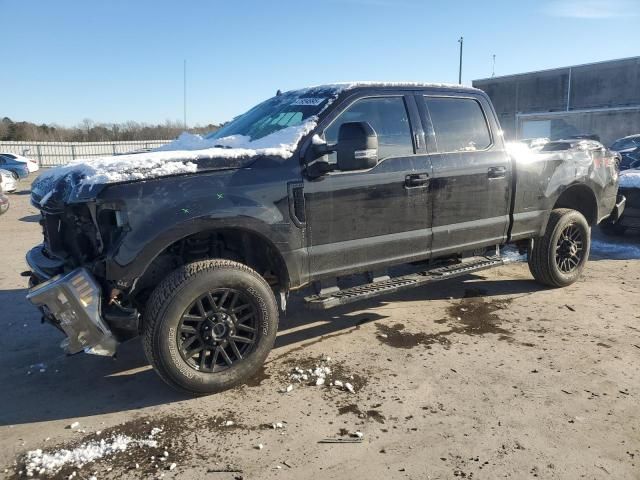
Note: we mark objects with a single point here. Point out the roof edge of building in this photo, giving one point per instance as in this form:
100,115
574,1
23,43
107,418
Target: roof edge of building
502,77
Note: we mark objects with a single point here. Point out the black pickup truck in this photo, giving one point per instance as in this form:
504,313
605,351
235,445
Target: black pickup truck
195,246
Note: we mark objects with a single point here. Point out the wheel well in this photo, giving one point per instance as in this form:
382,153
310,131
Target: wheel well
242,246
582,199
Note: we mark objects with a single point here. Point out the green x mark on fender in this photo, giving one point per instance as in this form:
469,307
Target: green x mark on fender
220,196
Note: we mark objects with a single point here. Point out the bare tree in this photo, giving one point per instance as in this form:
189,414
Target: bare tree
90,131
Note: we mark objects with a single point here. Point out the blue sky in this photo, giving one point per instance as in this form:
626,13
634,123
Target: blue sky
118,60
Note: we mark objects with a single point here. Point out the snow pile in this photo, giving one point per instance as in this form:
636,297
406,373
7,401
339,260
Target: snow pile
630,178
177,157
38,462
120,169
281,143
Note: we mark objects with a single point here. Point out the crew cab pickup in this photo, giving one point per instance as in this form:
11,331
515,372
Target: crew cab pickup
197,246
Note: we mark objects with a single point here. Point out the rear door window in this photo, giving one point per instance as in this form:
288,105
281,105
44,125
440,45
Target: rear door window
459,124
389,118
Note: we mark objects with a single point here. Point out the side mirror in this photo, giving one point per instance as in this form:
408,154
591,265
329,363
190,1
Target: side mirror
357,147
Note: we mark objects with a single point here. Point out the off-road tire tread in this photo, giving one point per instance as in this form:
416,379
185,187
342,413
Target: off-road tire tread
539,263
158,302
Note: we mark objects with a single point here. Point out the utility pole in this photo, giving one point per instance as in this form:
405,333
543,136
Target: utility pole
461,42
184,92
493,69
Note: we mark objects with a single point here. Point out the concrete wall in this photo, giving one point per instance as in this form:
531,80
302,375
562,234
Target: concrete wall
610,90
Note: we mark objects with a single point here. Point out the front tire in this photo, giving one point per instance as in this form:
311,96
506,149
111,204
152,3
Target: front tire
209,326
557,259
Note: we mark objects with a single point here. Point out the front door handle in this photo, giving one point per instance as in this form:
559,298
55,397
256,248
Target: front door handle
497,172
416,180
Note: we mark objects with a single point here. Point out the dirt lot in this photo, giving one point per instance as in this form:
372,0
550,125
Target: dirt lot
487,377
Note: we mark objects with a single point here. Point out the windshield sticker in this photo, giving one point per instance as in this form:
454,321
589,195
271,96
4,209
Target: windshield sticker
315,101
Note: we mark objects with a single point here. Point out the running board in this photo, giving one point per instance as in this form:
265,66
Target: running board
370,290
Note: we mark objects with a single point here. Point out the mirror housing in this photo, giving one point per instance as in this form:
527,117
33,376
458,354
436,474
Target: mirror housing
357,147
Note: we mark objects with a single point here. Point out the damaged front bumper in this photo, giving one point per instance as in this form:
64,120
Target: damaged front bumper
73,300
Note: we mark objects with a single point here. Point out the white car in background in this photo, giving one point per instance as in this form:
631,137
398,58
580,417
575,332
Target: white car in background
8,183
32,165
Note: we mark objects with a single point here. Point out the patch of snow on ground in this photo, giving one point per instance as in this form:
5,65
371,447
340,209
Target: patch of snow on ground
39,462
318,376
630,178
615,251
510,254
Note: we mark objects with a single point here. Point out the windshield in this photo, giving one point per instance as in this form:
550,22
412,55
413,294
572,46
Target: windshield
285,110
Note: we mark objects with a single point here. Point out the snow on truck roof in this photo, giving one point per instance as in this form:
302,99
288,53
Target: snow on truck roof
342,86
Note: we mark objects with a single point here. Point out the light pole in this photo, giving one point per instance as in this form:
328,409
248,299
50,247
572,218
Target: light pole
461,42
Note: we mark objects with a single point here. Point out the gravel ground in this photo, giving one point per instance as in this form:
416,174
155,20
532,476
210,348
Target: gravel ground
485,377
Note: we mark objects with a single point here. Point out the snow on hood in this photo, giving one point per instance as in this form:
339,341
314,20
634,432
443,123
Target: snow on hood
179,156
281,143
630,178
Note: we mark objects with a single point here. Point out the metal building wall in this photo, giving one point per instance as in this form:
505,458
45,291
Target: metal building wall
601,98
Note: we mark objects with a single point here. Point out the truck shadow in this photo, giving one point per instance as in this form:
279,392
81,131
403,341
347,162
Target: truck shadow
85,385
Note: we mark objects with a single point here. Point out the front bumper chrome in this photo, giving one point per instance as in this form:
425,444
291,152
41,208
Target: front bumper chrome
74,301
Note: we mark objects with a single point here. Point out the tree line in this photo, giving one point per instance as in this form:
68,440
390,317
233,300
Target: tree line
89,131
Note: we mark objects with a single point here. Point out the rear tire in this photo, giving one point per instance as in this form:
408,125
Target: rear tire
557,259
209,326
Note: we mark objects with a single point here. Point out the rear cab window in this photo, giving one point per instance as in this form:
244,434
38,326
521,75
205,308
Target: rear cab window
459,123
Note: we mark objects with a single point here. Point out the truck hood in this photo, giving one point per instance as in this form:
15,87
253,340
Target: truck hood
83,181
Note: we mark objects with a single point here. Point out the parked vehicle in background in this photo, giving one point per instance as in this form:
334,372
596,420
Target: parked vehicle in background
630,218
17,168
629,150
629,160
7,181
32,165
4,202
193,246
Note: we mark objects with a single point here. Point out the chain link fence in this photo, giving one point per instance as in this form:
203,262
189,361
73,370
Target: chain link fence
51,154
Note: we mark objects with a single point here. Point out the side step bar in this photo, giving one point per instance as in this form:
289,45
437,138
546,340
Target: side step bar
370,290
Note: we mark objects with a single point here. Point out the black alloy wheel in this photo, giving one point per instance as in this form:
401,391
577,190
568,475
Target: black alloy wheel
217,330
569,248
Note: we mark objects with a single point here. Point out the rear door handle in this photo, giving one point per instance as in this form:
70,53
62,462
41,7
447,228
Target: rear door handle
497,172
416,180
